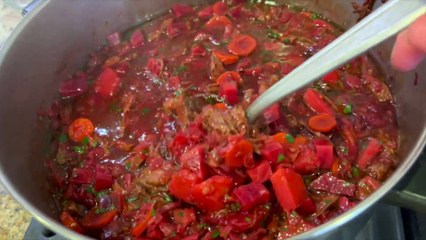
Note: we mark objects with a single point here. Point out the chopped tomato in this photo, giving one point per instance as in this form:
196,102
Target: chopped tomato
80,129
289,188
261,172
322,122
107,83
182,183
315,101
209,195
180,10
194,160
242,45
239,153
251,195
205,12
369,153
220,8
95,220
221,106
229,76
324,151
225,58
70,222
331,77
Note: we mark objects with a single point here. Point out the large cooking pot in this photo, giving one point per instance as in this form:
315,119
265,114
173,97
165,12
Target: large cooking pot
54,40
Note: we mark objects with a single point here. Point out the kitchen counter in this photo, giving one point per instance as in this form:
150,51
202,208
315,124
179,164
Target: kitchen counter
14,220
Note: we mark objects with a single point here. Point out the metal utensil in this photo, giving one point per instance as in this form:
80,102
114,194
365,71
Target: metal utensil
381,24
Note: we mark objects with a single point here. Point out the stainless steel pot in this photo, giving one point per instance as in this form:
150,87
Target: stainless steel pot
56,38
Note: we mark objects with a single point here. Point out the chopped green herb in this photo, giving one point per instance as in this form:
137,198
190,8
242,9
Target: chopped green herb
201,225
94,143
215,234
85,141
180,69
273,34
153,212
132,199
347,109
91,81
145,151
90,189
63,138
180,214
79,149
307,180
289,138
168,198
344,149
101,194
101,210
314,16
115,108
327,201
293,213
266,56
286,40
177,93
128,166
145,111
355,172
285,229
281,158
235,207
247,219
211,100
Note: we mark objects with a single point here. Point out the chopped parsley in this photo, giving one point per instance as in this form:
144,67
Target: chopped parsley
355,172
347,109
286,40
85,141
63,138
132,199
247,219
91,81
79,149
145,151
201,225
293,213
344,149
168,198
314,16
180,214
90,189
289,138
145,111
215,234
153,212
273,34
177,93
180,69
280,158
211,100
235,207
115,108
128,166
101,194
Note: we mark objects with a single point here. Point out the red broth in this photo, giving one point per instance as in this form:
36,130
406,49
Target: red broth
151,139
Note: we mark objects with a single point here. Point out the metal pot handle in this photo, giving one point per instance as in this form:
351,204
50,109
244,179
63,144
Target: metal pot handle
412,192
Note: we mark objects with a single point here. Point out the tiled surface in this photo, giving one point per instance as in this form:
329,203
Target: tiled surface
14,219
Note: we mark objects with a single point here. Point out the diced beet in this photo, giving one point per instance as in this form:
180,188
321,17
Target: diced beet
107,83
331,184
261,172
194,160
252,195
80,195
73,87
369,153
229,90
272,114
236,11
168,229
272,152
198,51
175,29
331,77
307,161
286,16
114,39
307,207
155,66
324,150
367,186
137,38
82,176
353,81
345,204
180,10
286,68
289,188
103,178
242,64
206,12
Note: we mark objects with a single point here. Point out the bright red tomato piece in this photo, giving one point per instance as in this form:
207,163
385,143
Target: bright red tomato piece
289,188
107,83
182,183
209,195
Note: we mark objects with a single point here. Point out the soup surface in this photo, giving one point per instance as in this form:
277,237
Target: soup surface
151,141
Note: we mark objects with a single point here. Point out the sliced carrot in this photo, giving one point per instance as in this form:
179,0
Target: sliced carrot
94,220
220,106
242,45
80,128
239,154
300,140
229,76
141,225
322,122
70,222
335,167
280,138
218,22
225,58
